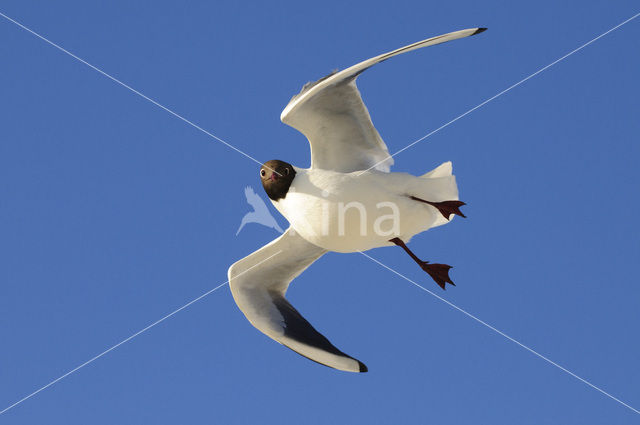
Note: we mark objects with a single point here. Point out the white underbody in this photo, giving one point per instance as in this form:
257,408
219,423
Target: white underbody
348,212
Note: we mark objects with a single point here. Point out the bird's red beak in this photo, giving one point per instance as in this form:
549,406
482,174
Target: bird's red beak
274,177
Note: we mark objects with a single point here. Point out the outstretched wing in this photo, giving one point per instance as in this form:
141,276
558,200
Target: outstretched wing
259,282
331,114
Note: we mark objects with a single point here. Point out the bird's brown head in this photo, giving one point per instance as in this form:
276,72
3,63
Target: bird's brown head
276,177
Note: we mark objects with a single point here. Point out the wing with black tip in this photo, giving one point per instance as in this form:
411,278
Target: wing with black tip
331,114
259,282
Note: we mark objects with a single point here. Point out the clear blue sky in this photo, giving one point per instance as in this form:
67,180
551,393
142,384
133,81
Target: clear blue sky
113,213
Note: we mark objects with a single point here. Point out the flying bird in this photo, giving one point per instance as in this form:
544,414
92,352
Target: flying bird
347,201
260,213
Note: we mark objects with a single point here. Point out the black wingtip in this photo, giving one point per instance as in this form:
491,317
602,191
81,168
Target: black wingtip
479,30
363,367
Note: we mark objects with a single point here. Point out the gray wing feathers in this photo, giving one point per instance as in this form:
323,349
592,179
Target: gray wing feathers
258,284
332,115
356,144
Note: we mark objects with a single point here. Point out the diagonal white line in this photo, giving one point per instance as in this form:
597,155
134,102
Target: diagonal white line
175,114
504,91
129,338
499,332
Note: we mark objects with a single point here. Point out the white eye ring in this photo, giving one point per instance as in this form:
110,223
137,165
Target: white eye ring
286,171
262,172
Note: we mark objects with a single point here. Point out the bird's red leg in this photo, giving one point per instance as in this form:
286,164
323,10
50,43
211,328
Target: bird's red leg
438,272
446,208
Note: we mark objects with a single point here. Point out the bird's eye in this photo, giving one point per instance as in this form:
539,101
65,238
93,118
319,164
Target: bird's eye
262,172
286,171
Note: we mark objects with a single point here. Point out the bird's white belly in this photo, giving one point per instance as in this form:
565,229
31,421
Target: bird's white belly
348,213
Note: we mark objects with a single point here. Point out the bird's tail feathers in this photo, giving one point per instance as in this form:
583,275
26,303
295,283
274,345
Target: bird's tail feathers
438,185
443,170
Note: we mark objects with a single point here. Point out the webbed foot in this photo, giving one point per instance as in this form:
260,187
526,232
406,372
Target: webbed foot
446,208
438,272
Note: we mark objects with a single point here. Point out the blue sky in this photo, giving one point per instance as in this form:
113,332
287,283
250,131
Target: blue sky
114,213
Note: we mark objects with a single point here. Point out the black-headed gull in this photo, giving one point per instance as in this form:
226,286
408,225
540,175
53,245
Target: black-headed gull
347,201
